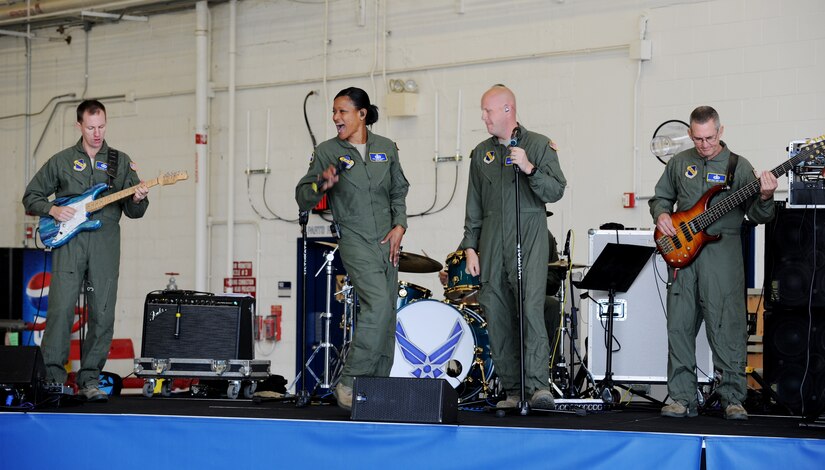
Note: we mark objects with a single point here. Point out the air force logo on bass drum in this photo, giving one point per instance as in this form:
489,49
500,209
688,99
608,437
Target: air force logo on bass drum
428,335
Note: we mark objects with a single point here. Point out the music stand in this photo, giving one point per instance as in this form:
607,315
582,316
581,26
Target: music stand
615,270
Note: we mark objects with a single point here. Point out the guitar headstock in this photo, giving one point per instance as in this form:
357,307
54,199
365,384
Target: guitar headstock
813,146
172,177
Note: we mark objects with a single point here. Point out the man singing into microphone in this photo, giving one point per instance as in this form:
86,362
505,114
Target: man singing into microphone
490,242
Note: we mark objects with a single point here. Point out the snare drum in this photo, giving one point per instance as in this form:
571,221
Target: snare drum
461,288
409,293
429,334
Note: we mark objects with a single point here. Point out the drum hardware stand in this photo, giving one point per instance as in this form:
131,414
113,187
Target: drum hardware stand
571,381
347,326
326,345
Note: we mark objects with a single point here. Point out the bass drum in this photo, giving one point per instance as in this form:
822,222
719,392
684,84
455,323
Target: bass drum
436,340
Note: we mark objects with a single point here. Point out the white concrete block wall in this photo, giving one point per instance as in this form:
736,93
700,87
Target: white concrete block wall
759,62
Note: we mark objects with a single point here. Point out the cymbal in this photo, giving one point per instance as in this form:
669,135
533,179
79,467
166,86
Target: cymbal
562,263
329,244
413,263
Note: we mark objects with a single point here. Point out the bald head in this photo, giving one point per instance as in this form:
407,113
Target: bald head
498,111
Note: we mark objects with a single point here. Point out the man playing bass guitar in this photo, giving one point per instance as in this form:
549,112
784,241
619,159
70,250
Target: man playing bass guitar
711,287
90,255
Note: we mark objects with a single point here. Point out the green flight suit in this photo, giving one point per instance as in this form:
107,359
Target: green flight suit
91,255
490,228
367,202
712,288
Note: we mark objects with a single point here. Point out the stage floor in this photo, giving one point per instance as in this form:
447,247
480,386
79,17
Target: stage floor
641,417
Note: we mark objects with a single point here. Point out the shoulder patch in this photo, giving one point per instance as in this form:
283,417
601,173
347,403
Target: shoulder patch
489,157
690,171
553,145
133,166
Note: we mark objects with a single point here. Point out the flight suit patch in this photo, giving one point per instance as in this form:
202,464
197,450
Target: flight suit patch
378,157
79,165
348,162
691,171
101,166
489,157
716,178
508,160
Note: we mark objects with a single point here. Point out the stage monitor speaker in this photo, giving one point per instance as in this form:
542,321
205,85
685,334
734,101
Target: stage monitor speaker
639,320
196,325
22,374
794,361
404,400
21,365
795,259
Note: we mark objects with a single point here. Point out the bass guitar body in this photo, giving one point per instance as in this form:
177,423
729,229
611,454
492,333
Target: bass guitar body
681,249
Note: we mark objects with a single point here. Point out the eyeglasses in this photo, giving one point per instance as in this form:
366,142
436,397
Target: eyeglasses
706,140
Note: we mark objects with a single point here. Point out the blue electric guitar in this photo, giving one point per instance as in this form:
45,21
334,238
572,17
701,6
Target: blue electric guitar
55,234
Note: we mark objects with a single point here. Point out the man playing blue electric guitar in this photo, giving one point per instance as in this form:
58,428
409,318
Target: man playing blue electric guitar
93,255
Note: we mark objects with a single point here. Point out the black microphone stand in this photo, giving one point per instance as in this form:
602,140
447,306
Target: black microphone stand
302,397
523,406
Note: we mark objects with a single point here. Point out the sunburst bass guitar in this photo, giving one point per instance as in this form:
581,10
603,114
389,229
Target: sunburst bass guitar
55,234
681,249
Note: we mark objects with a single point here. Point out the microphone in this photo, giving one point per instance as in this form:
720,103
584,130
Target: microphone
515,136
340,167
566,252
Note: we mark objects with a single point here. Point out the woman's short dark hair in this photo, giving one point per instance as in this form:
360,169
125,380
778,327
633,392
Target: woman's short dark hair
361,100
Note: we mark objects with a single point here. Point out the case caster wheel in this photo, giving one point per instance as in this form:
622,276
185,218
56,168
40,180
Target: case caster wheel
233,389
249,389
166,388
149,388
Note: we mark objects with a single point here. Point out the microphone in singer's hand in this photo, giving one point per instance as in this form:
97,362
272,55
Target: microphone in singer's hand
515,136
340,167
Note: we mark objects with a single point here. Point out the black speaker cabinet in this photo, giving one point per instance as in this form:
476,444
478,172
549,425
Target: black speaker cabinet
186,324
404,400
794,360
22,374
795,259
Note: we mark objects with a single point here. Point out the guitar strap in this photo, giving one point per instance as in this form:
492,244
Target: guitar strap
111,166
732,162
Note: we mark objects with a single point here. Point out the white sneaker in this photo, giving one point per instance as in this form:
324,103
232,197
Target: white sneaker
93,395
343,395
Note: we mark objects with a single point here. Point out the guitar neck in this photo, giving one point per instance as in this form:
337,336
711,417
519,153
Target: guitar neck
705,219
98,204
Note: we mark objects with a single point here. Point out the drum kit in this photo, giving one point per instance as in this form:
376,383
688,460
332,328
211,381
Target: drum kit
434,338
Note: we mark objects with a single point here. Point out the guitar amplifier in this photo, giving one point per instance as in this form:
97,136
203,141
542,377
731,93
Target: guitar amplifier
187,324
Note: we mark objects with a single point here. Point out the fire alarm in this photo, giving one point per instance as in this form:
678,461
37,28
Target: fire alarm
629,200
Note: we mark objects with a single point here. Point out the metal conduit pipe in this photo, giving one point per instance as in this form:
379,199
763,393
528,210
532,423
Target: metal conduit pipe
22,13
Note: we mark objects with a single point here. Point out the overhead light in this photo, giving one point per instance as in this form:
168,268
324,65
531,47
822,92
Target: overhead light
398,85
670,138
